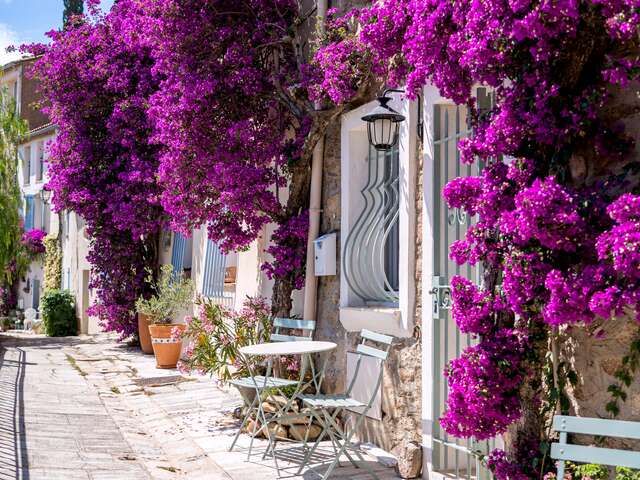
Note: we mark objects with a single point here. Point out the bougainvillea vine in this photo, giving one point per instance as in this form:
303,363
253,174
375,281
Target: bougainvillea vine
556,206
96,81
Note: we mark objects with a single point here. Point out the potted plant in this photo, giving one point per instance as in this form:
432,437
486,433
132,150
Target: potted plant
172,294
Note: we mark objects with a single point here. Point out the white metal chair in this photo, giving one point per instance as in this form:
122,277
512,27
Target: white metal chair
30,315
259,383
326,408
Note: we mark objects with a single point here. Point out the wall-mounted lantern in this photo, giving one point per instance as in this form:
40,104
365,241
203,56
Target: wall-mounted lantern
46,195
383,123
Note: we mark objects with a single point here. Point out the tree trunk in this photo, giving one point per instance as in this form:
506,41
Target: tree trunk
300,185
298,201
524,436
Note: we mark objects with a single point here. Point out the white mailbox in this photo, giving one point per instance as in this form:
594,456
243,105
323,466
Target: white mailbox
325,254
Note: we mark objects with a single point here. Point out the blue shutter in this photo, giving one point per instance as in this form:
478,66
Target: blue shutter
177,254
29,213
214,268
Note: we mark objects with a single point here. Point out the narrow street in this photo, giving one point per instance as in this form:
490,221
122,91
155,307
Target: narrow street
92,408
54,423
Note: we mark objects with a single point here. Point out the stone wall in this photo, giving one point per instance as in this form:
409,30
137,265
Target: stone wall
401,393
595,353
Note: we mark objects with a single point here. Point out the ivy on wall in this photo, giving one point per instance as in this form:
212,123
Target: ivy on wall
52,263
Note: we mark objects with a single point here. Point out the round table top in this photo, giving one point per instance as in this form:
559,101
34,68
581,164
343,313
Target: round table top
287,348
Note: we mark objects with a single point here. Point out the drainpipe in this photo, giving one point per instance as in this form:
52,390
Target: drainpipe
315,200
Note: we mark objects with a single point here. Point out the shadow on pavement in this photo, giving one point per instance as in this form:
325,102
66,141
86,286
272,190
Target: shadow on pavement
13,448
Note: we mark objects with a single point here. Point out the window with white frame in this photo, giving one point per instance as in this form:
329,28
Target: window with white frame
378,225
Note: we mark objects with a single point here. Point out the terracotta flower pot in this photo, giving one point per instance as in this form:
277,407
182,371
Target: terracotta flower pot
166,349
143,333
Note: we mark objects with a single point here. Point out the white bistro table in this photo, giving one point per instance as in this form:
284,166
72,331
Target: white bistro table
269,383
302,347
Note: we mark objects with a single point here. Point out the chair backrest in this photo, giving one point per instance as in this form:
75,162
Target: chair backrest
365,349
306,326
564,451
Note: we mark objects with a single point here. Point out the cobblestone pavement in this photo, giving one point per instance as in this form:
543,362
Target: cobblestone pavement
92,408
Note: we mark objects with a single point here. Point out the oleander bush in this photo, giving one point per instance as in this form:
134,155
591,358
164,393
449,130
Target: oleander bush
59,313
216,334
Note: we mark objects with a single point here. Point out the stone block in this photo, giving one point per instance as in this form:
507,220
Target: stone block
298,432
409,457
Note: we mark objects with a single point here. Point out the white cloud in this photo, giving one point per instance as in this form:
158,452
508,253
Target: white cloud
7,38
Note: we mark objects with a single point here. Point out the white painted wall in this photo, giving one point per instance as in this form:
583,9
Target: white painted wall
31,181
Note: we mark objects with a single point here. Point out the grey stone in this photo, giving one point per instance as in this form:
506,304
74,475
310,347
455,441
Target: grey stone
409,457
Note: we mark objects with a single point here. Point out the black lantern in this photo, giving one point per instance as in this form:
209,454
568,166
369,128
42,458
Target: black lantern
383,123
46,195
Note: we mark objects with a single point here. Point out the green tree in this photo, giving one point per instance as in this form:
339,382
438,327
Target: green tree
12,130
71,8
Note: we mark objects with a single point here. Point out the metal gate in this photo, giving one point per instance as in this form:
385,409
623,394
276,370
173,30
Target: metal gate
452,457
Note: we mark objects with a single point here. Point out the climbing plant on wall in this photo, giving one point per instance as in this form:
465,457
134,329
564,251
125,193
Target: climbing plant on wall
558,227
52,263
96,81
198,113
13,257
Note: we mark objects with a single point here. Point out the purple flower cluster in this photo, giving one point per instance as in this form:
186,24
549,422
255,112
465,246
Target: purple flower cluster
483,386
33,241
168,116
289,250
472,308
216,114
504,469
545,213
96,80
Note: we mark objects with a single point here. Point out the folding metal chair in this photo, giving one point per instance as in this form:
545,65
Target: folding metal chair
326,408
260,383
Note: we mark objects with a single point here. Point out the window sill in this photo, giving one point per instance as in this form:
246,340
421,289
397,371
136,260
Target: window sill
379,319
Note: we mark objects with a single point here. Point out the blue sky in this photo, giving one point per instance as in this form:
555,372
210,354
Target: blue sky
26,21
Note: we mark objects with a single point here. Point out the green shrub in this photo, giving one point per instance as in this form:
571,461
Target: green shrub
592,471
59,313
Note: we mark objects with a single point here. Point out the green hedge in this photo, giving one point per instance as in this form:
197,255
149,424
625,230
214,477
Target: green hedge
59,313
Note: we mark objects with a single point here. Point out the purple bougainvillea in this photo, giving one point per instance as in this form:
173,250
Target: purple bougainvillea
558,247
97,79
33,241
169,116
